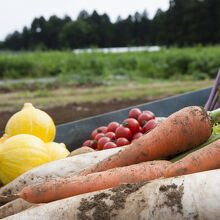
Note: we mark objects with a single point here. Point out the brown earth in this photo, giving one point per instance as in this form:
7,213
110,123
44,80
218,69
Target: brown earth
73,111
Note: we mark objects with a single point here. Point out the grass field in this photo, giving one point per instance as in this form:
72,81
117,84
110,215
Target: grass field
97,77
194,63
46,95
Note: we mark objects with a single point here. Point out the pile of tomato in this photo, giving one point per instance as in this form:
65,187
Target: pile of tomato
116,135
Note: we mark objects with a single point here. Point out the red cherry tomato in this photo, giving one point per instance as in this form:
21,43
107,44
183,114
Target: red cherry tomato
102,129
102,141
93,134
109,145
134,113
111,135
140,129
149,126
93,144
98,136
112,126
137,135
132,124
86,143
123,132
144,117
150,112
122,141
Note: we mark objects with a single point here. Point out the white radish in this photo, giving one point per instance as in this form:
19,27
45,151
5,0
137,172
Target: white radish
14,207
194,196
67,167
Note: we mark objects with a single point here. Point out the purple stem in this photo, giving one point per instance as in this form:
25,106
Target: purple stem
217,105
212,94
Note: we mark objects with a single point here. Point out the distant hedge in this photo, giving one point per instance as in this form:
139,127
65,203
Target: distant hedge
196,63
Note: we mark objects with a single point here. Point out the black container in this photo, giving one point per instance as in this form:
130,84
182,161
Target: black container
73,134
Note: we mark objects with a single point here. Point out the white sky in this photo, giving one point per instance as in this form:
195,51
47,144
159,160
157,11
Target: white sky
15,14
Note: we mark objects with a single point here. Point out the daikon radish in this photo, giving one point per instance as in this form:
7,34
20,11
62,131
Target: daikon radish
67,167
14,207
194,196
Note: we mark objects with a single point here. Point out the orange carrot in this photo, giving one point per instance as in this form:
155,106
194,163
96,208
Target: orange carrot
51,191
181,131
207,158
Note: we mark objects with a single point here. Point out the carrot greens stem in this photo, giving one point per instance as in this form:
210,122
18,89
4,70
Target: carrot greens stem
215,115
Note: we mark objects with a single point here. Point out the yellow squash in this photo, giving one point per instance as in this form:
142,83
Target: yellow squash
19,154
31,120
4,138
57,151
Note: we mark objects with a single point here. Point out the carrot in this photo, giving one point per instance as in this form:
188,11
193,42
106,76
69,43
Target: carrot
194,196
51,191
207,158
181,131
212,139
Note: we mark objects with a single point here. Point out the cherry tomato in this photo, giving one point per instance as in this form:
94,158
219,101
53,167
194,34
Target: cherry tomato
134,113
137,135
132,124
102,129
93,144
123,132
111,135
109,145
112,126
122,141
93,134
86,143
144,117
140,129
150,112
98,136
102,141
149,126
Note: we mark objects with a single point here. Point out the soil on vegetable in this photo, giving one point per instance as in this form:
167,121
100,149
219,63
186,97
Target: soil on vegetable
174,195
73,111
102,210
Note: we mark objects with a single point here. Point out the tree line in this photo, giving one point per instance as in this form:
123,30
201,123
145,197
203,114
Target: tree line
185,23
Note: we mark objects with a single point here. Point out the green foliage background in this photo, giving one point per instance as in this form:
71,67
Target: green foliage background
174,63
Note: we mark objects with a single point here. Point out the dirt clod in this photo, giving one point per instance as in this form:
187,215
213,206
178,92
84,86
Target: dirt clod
96,207
173,195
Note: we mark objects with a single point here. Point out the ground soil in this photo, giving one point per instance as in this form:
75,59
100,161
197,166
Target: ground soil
73,111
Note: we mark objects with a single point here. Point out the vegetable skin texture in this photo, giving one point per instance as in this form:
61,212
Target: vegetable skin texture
206,158
181,131
197,197
14,207
51,191
212,139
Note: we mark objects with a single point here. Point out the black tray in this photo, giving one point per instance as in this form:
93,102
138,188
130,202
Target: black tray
73,134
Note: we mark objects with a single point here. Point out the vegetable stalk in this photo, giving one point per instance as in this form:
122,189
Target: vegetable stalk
213,100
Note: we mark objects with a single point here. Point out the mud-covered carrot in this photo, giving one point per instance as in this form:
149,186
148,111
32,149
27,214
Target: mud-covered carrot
51,191
212,139
206,158
181,131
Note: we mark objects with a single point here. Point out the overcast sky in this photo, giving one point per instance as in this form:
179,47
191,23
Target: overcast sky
15,14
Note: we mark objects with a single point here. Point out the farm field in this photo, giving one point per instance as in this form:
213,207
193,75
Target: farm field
87,84
70,102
